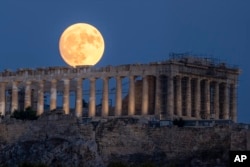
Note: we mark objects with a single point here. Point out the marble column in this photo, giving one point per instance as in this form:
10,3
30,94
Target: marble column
40,103
27,96
14,103
105,97
178,97
92,98
79,97
157,97
145,95
66,95
197,99
118,105
216,101
2,98
188,98
226,102
131,98
234,102
53,94
207,99
170,98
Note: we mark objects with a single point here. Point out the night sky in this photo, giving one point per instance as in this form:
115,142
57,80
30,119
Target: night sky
135,31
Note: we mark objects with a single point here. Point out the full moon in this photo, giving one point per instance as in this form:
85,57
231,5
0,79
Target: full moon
81,44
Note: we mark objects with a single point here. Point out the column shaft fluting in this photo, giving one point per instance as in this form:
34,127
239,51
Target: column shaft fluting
131,98
40,103
27,98
216,101
14,103
118,105
170,98
66,95
105,97
226,102
197,99
79,98
92,98
2,98
178,97
53,94
207,99
157,96
234,102
188,98
145,95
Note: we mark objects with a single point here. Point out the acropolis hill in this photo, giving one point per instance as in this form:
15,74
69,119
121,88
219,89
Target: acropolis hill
61,140
183,86
199,90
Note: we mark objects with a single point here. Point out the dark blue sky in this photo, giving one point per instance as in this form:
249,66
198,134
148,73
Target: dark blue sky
135,31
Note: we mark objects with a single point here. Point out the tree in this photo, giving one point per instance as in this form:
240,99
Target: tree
27,114
179,122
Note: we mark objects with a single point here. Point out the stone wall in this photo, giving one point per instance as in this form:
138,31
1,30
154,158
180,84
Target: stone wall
60,139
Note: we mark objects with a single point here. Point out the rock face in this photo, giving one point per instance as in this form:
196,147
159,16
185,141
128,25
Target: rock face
61,140
54,140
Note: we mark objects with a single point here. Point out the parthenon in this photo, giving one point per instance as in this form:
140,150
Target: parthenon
182,86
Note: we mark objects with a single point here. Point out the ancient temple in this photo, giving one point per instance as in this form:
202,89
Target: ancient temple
183,86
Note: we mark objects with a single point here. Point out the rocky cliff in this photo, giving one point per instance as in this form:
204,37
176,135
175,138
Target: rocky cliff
61,140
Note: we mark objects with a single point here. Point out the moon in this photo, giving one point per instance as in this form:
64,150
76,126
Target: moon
81,44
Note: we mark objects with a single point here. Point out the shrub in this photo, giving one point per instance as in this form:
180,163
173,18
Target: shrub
27,164
116,164
28,114
179,122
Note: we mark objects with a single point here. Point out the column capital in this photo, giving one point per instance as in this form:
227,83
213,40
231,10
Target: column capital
92,79
78,78
53,80
119,76
15,82
3,83
66,79
41,81
28,82
105,78
178,76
